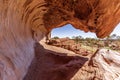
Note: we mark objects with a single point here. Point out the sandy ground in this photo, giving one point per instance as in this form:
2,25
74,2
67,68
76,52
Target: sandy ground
53,63
57,49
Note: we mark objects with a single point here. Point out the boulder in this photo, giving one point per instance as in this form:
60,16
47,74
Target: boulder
108,62
103,65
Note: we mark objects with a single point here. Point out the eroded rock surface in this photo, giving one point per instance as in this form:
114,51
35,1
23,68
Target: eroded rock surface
103,65
88,15
54,65
24,22
109,63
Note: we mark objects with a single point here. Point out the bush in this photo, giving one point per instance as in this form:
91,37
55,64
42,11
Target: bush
55,37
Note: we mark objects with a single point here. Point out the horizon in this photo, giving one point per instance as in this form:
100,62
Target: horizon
69,31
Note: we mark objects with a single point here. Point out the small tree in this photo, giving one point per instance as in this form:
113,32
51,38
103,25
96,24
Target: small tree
56,37
77,38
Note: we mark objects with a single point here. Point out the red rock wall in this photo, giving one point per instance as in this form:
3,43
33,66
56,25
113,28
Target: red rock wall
23,22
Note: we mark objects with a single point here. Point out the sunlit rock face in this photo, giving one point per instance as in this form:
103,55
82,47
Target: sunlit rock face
23,22
108,62
103,65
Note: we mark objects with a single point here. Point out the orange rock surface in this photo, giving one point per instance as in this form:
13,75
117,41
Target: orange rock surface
24,22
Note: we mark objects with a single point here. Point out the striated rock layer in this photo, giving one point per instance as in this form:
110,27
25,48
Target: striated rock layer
103,65
23,22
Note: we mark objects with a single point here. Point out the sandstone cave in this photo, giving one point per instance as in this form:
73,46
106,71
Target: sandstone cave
23,23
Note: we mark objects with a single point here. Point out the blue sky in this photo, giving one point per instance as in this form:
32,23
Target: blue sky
69,31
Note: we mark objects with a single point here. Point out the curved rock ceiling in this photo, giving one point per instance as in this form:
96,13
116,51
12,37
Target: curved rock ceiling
23,22
99,16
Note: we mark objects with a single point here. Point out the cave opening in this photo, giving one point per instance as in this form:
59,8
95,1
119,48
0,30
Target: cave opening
84,43
73,39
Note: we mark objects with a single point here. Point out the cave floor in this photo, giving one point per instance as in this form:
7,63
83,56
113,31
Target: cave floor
53,63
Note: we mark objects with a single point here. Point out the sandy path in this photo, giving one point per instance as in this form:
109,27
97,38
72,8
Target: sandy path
57,49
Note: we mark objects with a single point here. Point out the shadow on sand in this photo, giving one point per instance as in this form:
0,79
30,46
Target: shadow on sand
49,65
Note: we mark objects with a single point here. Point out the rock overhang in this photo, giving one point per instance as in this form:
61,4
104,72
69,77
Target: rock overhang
97,16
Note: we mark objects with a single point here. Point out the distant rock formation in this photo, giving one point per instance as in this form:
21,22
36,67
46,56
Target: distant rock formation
69,44
24,22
